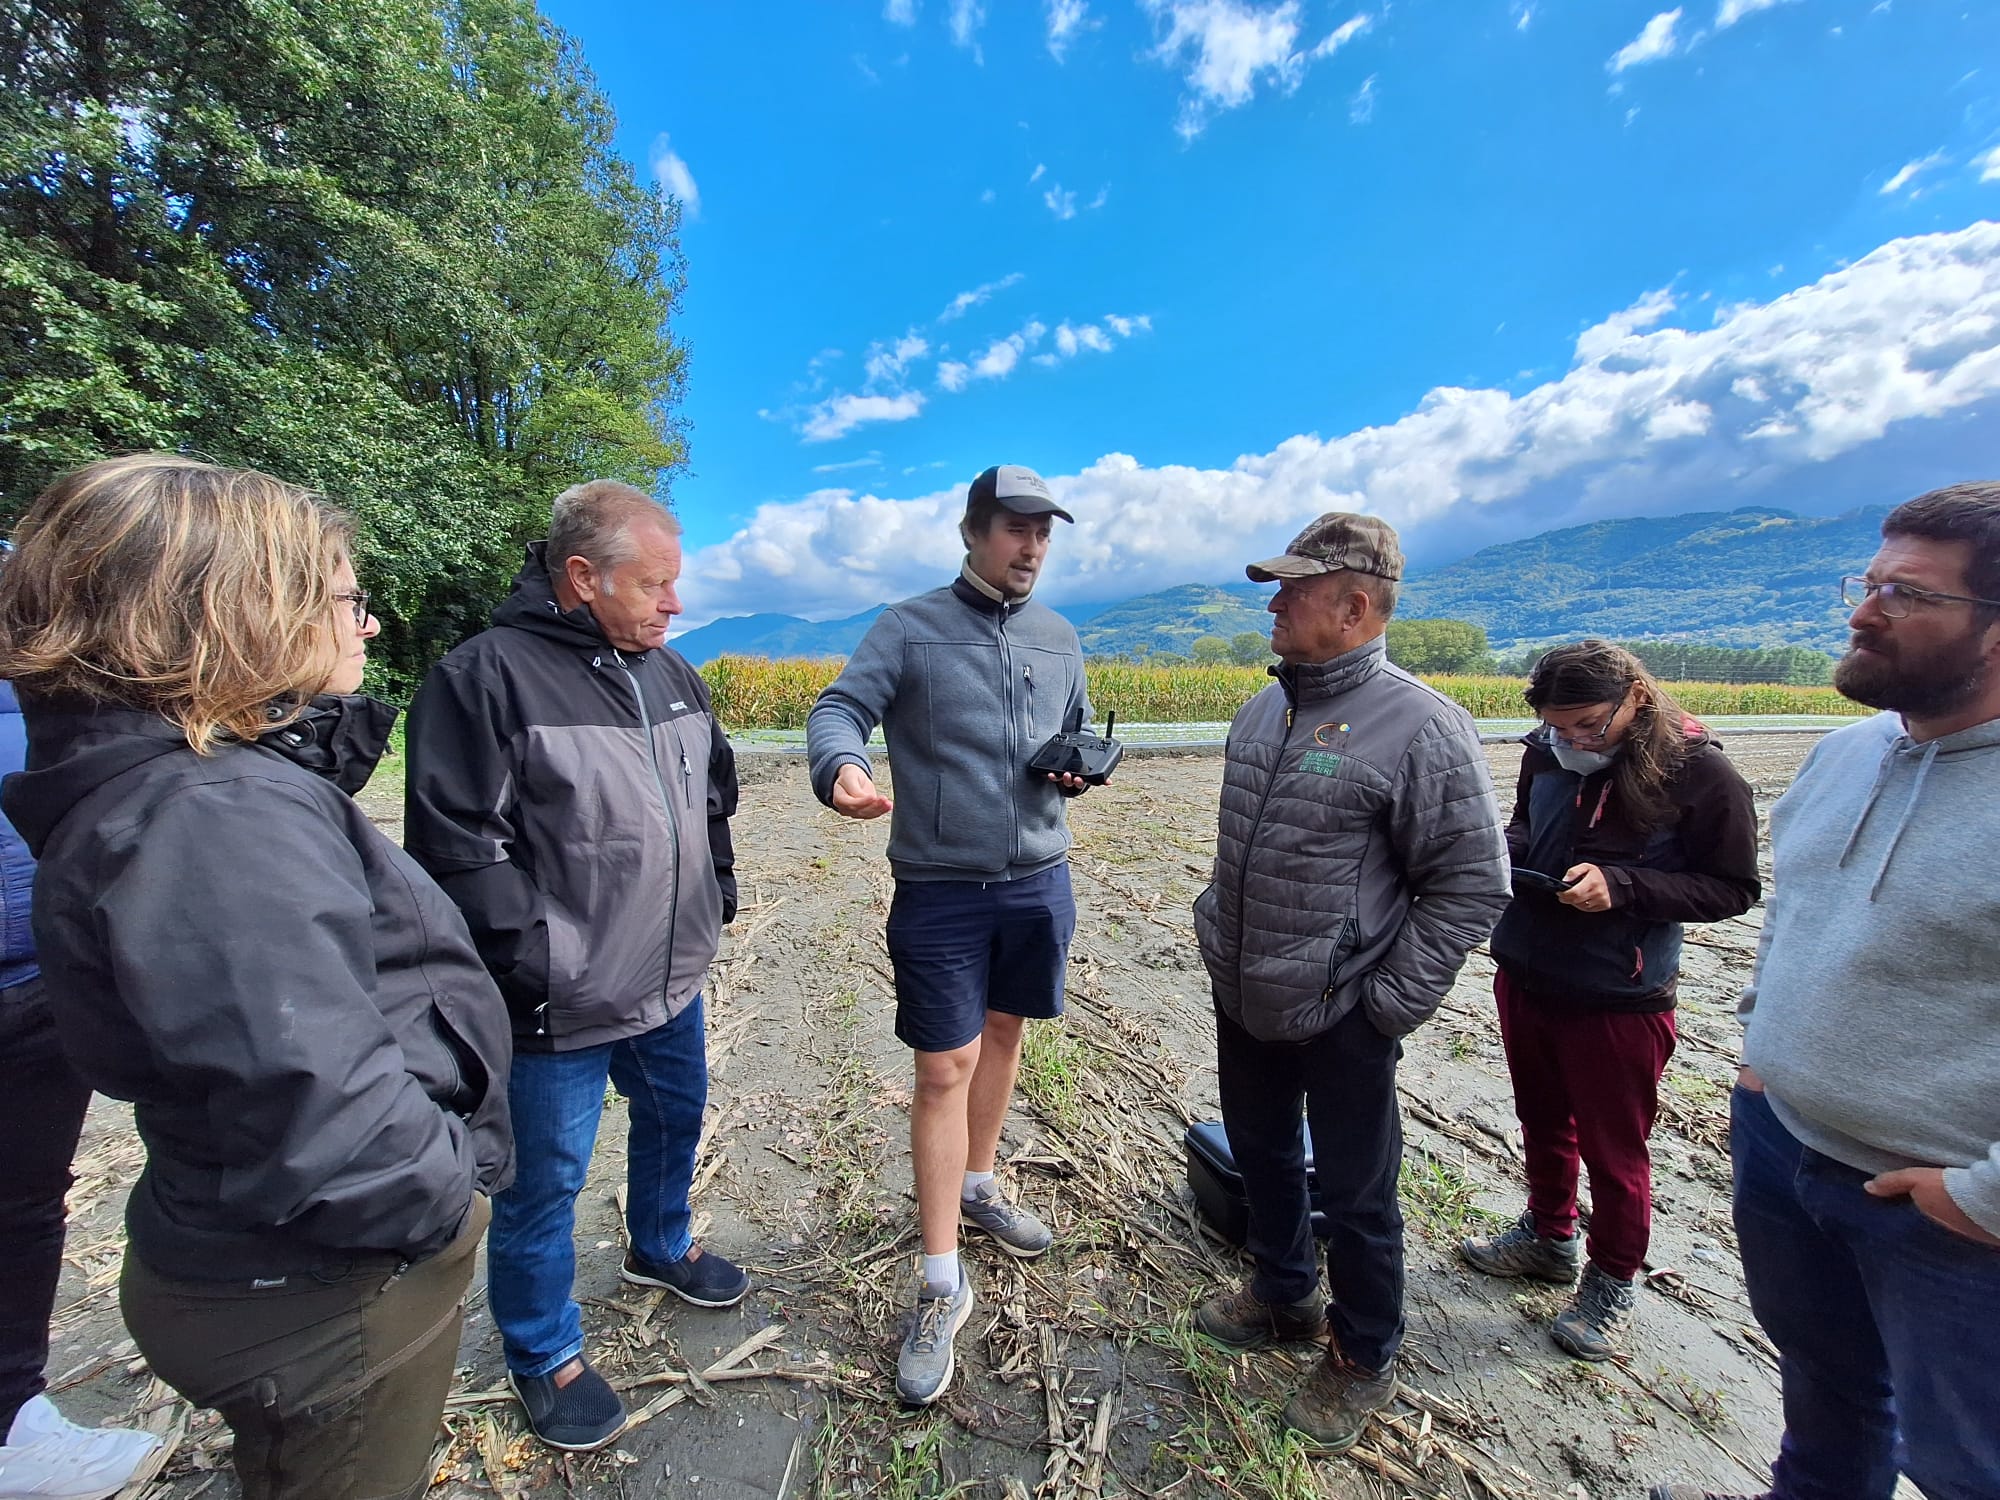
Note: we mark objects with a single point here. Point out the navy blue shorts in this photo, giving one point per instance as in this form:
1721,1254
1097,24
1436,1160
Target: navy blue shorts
962,948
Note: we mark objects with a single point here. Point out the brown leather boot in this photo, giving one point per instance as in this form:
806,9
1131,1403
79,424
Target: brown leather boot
1333,1406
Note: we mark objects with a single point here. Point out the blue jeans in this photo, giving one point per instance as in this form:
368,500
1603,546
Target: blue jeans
557,1099
1887,1325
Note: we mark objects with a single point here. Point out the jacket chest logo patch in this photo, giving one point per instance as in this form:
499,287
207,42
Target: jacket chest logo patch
1320,763
1329,733
677,708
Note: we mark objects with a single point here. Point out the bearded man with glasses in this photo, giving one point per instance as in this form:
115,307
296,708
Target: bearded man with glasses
1866,1122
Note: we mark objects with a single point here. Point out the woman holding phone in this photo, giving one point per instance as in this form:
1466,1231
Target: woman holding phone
316,1058
1628,821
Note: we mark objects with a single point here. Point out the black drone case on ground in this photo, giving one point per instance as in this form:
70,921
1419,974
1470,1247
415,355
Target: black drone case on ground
1218,1186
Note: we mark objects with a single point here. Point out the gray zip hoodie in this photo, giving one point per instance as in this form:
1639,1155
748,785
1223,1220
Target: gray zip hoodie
1873,1015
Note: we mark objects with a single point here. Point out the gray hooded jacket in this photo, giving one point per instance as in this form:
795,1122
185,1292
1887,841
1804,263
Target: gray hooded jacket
574,800
1359,857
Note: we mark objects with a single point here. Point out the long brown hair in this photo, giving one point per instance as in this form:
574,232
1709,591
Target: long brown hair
1595,671
162,583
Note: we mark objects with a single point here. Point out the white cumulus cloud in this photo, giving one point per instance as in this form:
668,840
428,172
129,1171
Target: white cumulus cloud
1732,11
674,178
1342,34
840,415
1655,41
967,16
1908,172
998,362
886,362
1361,108
1226,48
1989,165
1066,18
1888,365
964,302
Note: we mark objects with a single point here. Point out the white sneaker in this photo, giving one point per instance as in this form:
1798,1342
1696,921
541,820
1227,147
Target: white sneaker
47,1457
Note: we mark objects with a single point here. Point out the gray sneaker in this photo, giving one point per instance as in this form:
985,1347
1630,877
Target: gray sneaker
1590,1326
923,1369
1019,1232
1519,1251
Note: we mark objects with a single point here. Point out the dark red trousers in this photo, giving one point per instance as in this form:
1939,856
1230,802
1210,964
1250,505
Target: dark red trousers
1587,1087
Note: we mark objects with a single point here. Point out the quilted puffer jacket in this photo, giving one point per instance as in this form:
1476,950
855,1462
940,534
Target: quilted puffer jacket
1360,854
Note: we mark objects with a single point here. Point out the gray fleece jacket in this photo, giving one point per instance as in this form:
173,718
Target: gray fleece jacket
1873,1015
966,689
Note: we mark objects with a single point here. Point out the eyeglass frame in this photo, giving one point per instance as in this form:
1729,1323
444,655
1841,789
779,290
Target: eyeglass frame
1595,736
1891,590
357,598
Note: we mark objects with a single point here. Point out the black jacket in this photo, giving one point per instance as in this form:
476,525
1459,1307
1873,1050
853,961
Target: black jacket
574,800
1701,866
316,1059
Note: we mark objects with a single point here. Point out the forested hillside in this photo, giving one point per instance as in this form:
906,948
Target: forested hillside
379,247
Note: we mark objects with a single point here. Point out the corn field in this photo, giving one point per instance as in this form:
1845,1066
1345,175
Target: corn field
755,692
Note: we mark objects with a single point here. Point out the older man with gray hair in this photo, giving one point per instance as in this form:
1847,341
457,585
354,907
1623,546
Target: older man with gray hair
570,789
1359,859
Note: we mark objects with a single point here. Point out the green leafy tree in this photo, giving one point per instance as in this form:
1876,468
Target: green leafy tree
1209,650
374,246
1249,648
1438,646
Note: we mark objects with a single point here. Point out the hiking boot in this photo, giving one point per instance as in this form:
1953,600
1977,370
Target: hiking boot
1243,1320
1332,1407
1520,1251
49,1457
577,1417
1590,1326
925,1365
705,1279
1019,1232
1694,1492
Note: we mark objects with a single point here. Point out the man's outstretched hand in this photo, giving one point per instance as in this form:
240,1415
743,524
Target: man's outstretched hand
854,794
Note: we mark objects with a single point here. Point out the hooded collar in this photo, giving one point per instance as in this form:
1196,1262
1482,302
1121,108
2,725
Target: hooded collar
1311,682
75,746
341,737
532,606
1897,743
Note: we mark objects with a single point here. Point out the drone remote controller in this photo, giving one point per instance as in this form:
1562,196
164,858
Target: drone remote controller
1091,757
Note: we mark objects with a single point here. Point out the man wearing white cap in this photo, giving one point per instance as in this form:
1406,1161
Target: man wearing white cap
968,681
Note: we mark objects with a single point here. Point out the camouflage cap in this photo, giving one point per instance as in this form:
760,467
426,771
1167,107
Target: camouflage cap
1338,541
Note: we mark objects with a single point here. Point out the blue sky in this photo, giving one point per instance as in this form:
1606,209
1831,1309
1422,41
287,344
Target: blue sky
1213,266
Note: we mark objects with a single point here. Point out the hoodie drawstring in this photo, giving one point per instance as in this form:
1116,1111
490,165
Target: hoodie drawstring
1868,807
1909,811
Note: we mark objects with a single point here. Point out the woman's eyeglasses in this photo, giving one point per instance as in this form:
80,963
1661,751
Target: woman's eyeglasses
358,598
1591,736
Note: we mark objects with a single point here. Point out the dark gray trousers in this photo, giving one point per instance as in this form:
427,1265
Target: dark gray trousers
333,1382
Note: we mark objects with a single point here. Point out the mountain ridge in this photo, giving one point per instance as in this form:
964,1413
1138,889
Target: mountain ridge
1753,576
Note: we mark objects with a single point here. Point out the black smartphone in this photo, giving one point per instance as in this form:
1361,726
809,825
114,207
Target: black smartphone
1535,880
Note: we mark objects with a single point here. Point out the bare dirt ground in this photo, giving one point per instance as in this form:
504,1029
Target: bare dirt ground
1077,1375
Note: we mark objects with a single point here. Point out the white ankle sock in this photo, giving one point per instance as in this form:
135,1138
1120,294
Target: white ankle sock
973,1182
941,1271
